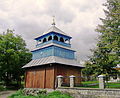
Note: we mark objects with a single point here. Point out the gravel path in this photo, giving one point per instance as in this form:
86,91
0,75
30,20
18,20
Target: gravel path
5,94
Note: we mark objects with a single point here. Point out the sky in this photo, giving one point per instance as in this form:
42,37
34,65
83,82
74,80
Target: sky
77,18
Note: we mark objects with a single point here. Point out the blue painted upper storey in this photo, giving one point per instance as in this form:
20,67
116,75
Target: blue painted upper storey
53,42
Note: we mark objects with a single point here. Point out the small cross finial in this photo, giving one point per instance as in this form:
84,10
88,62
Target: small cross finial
53,20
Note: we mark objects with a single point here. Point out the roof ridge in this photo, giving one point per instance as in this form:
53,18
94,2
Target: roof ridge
55,29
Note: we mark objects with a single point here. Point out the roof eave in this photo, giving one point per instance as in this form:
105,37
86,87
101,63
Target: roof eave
52,32
52,63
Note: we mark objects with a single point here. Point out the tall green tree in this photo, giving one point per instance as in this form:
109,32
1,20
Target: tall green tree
13,55
88,71
107,53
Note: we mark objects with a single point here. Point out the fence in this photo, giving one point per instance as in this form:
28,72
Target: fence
89,82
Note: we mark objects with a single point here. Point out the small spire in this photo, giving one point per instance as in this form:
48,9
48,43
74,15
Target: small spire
53,23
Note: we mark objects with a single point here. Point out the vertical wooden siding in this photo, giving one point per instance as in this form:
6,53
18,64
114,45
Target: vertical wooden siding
66,71
45,77
28,79
40,78
49,79
35,78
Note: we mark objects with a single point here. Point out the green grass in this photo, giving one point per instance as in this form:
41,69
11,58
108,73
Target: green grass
113,85
57,94
54,94
88,84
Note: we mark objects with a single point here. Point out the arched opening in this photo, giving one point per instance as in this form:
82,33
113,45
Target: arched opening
39,41
49,38
67,41
61,39
55,38
44,40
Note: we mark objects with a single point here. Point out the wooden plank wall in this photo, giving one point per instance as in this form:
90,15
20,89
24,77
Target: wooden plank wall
42,77
28,79
39,78
66,71
35,78
49,79
45,77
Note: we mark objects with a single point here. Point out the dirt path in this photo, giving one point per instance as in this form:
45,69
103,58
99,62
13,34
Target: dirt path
5,94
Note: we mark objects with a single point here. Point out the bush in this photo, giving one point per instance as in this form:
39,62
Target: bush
58,94
55,94
2,88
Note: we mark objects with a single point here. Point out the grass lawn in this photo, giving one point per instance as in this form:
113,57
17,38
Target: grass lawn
89,82
94,84
113,85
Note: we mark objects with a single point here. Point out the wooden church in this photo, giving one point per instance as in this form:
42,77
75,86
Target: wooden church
52,56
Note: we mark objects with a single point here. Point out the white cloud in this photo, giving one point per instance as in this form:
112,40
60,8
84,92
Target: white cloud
30,18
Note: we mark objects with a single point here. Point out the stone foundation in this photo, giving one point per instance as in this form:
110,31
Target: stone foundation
79,92
35,91
91,93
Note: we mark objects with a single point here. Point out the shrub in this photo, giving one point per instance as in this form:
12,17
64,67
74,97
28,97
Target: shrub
58,94
54,94
2,88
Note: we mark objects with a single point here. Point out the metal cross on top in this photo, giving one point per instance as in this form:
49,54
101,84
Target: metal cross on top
53,23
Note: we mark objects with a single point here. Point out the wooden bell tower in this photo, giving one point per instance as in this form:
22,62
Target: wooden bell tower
52,56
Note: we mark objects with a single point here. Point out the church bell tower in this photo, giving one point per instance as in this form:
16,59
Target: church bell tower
52,56
53,42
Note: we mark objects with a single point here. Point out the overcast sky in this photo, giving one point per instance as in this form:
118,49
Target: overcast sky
30,18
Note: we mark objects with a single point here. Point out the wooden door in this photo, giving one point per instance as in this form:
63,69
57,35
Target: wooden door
49,79
40,78
35,78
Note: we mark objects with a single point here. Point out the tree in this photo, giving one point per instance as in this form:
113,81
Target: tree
107,53
88,70
13,55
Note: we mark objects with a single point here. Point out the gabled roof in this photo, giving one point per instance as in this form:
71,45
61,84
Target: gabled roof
52,59
53,28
